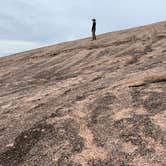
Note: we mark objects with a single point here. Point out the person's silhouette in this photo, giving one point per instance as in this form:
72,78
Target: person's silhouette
94,29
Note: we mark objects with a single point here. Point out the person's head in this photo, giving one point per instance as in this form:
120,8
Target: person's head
94,20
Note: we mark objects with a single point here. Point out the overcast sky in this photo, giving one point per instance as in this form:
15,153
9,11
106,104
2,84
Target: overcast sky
27,24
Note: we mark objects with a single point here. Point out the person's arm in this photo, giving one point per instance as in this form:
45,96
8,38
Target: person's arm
93,26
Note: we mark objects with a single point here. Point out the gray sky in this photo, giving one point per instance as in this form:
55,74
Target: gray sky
27,24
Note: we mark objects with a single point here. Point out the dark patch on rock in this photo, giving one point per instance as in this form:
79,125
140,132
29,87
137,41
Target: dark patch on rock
60,112
161,80
93,46
163,51
121,42
148,49
100,120
132,137
116,158
105,52
67,91
52,75
65,161
136,96
161,36
96,162
2,129
142,127
101,105
137,54
108,99
96,78
64,76
133,60
134,130
144,151
155,103
80,98
108,68
23,144
69,131
39,106
138,85
54,54
150,81
78,144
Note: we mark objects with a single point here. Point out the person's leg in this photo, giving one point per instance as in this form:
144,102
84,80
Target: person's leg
93,35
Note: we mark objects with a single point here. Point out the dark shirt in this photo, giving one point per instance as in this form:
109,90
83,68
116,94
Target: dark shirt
94,26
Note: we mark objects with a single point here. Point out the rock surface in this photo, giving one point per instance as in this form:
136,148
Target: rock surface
86,103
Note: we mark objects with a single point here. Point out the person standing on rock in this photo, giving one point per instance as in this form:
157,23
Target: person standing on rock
94,29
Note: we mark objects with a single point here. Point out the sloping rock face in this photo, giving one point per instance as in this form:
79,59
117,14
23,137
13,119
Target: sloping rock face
86,103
